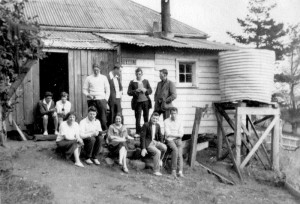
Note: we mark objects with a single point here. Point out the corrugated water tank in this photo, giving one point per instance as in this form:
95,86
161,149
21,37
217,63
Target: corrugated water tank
246,75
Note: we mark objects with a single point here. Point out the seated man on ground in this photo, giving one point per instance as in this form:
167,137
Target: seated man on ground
173,135
152,142
63,107
117,135
68,139
47,109
91,133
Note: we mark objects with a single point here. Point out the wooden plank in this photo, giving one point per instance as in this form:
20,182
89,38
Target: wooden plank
262,145
89,63
276,143
20,106
22,136
71,78
77,84
237,138
237,168
28,98
258,111
208,86
261,139
196,126
202,146
218,174
220,140
36,83
262,119
84,72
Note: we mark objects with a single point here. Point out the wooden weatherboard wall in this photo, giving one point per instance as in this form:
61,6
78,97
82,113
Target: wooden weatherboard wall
205,92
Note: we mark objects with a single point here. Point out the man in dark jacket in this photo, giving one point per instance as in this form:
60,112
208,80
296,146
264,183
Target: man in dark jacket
116,91
140,89
46,110
152,142
164,95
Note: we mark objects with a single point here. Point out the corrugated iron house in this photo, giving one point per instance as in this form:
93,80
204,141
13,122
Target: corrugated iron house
80,33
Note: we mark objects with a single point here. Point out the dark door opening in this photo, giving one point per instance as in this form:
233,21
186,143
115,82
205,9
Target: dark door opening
54,74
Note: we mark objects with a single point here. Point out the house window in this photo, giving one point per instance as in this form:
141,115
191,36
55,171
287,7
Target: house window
186,73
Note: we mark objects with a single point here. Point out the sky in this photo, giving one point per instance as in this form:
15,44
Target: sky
215,17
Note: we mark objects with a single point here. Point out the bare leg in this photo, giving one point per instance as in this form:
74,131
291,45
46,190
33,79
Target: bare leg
45,124
76,155
122,156
77,159
55,119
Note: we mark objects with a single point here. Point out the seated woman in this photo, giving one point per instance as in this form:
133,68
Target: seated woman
68,139
117,135
63,107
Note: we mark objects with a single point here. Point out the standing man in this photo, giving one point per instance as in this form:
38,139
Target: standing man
90,133
47,110
140,89
116,91
152,142
173,134
164,95
96,89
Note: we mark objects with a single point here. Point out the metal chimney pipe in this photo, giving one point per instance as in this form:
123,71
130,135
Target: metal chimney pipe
165,18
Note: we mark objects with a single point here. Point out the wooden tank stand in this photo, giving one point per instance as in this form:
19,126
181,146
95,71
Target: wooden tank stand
247,134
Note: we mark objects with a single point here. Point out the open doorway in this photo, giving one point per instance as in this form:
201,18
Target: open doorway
54,74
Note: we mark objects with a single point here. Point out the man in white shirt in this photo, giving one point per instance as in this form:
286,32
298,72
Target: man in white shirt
173,135
96,88
116,90
63,107
90,132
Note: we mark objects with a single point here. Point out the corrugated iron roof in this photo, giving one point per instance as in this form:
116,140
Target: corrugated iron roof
74,40
146,40
101,14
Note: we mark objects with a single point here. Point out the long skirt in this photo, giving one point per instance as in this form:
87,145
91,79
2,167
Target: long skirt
115,149
67,147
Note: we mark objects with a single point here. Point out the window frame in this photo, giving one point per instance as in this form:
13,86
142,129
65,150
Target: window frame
194,73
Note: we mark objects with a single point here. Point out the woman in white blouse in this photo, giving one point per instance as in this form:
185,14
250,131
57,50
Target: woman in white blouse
63,107
68,139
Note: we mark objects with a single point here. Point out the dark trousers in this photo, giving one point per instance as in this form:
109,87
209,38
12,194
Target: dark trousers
115,107
166,113
141,106
101,106
92,146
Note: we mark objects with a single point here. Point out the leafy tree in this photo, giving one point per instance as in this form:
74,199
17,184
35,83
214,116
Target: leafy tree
291,77
260,29
20,47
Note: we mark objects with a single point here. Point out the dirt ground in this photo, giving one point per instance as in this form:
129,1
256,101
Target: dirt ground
37,162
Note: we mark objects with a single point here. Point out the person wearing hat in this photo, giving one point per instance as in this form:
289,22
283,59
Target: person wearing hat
47,110
97,90
116,90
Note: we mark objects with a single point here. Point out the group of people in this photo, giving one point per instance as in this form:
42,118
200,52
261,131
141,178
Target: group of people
103,93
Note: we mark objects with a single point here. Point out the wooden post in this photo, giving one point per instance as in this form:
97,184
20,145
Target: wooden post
220,139
275,143
237,136
196,126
